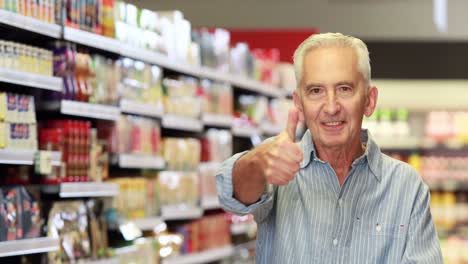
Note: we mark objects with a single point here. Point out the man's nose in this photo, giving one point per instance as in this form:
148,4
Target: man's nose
332,105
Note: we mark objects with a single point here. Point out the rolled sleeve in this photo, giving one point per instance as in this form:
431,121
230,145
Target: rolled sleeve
225,190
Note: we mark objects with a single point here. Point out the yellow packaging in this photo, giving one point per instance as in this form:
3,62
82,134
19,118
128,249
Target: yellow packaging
3,106
2,135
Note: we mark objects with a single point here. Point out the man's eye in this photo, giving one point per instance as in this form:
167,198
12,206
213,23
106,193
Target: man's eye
315,90
345,89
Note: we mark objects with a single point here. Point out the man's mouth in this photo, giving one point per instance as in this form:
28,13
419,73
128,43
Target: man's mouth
333,124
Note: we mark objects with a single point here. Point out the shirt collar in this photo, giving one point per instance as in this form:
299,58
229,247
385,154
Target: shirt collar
372,154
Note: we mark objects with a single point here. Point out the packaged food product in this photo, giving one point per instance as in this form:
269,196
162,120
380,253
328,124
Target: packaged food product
178,189
68,222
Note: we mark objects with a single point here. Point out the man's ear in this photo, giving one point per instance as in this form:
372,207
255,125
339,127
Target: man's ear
371,101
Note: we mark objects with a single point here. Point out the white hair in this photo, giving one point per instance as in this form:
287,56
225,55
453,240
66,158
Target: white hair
333,40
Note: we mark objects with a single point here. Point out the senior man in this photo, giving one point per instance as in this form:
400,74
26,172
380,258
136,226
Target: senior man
333,196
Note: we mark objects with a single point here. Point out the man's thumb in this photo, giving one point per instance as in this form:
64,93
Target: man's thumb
291,125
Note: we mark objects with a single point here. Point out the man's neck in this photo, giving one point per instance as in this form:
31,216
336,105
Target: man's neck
341,158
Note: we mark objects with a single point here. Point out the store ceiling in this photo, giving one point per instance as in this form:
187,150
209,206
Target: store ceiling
389,20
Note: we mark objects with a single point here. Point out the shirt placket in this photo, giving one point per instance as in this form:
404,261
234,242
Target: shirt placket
340,236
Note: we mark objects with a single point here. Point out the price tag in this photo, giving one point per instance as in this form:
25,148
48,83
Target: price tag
43,162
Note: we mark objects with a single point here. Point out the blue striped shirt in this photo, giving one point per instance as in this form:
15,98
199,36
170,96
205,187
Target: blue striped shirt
380,215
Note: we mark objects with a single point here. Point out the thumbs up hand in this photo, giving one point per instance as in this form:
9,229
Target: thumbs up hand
279,160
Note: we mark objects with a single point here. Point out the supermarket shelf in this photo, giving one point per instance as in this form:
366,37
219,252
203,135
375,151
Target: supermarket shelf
217,120
406,143
147,223
136,161
91,40
100,261
82,189
245,131
448,185
210,203
115,46
17,157
202,257
30,79
180,213
30,24
105,112
28,246
182,123
242,228
137,108
270,129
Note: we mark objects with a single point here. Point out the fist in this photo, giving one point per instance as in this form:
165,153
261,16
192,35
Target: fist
279,160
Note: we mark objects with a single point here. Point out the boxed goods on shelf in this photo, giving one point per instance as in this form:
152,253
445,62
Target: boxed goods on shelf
20,214
140,82
178,189
216,145
205,233
250,110
132,135
87,78
80,229
181,97
217,98
443,126
17,122
25,58
138,197
84,157
42,10
182,154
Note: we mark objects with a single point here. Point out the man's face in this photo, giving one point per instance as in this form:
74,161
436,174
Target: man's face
333,97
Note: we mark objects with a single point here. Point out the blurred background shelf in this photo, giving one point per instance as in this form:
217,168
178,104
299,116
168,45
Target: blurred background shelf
202,257
28,246
30,24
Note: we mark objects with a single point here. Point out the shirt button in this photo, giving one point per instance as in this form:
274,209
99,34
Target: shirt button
378,228
335,242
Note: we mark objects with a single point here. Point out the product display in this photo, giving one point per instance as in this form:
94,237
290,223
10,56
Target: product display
17,122
216,145
132,135
182,154
87,78
206,233
20,215
278,112
140,82
178,189
250,110
217,98
138,197
181,97
25,58
42,10
73,139
447,126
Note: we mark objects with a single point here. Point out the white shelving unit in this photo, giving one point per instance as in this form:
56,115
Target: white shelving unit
114,260
210,203
217,120
17,157
137,108
30,24
202,257
115,46
31,79
140,161
96,111
180,213
83,189
270,129
245,131
147,223
28,246
182,123
399,143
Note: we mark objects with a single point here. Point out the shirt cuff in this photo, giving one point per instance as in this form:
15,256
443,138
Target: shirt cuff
225,189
